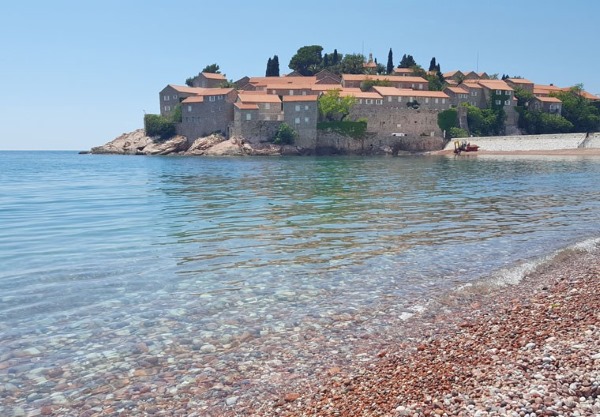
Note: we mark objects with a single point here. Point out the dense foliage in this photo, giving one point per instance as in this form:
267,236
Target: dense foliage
307,60
212,68
448,119
159,126
538,122
485,122
354,130
407,61
334,107
457,132
583,114
285,135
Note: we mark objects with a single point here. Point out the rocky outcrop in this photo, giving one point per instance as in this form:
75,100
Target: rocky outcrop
201,145
229,147
176,144
127,144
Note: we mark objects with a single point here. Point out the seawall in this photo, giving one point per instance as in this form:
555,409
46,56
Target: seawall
552,142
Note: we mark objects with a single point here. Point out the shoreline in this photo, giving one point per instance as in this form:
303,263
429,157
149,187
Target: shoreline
527,349
556,152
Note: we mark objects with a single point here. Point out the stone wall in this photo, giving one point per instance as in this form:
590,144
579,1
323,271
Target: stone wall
256,131
388,120
528,142
373,144
592,141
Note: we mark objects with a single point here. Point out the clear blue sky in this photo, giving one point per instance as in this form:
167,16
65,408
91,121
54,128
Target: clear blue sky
76,74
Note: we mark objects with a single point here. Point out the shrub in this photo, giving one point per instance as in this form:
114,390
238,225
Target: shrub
157,125
448,119
457,132
285,135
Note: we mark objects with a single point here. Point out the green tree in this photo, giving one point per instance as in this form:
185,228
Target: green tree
352,64
334,107
407,61
336,58
189,81
275,63
485,122
578,110
390,63
457,132
307,60
159,126
212,68
285,135
269,68
524,97
537,122
448,119
368,83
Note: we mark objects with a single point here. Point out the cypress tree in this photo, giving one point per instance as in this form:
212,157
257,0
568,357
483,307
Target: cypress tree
390,62
432,65
269,68
275,66
336,58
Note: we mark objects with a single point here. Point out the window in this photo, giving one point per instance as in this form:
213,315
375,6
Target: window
443,101
369,101
306,120
474,93
411,99
297,121
380,101
420,86
211,98
412,86
174,96
189,108
427,100
437,100
508,93
165,98
498,102
507,102
360,101
389,99
306,107
297,107
291,92
399,99
267,106
248,116
304,93
498,92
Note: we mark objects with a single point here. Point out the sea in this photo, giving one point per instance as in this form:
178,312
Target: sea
192,260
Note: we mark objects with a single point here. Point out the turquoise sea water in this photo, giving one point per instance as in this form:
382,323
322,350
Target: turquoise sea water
99,253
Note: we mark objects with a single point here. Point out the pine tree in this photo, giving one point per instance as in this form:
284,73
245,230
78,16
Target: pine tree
390,62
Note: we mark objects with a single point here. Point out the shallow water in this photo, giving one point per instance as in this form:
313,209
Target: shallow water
100,253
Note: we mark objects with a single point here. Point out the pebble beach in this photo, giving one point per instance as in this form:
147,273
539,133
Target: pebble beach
530,350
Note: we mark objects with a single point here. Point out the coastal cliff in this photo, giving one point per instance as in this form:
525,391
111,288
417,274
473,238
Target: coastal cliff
328,143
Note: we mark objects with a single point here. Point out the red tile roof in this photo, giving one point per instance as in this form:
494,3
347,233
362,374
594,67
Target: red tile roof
246,106
213,76
458,90
185,89
300,98
390,78
356,92
519,81
495,85
194,99
259,98
549,99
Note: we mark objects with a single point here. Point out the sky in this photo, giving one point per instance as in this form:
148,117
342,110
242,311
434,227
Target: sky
76,74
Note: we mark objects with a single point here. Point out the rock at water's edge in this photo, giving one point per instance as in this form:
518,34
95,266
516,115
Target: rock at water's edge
174,145
200,145
131,143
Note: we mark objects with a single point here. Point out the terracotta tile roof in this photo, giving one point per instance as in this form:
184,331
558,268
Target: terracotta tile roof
458,90
246,106
472,84
185,89
495,85
300,98
549,99
390,78
283,80
407,92
213,76
546,87
259,98
519,81
193,99
451,74
360,94
326,87
403,71
391,91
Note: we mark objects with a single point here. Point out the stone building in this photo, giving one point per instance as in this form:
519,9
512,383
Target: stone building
402,98
209,111
208,80
301,113
415,83
172,95
546,104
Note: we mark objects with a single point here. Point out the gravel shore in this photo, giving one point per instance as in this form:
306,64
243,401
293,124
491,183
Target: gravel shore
526,350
